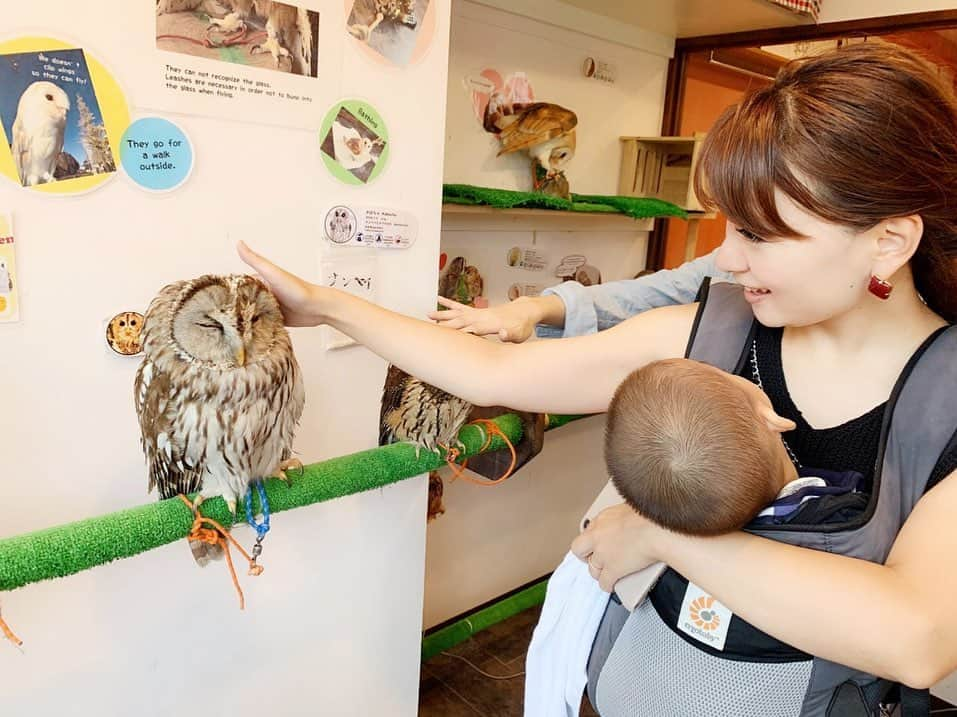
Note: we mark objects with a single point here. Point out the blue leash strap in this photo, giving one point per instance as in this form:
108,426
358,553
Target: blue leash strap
260,528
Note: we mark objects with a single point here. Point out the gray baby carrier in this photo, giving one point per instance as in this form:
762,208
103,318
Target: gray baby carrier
658,661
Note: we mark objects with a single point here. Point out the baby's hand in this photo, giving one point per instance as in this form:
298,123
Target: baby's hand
513,322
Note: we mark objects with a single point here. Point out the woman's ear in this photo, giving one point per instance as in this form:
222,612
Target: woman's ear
897,240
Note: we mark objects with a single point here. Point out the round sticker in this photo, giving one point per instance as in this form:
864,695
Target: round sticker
354,142
156,154
396,33
50,88
123,333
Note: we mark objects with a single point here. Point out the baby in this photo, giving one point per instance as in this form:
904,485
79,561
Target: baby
699,451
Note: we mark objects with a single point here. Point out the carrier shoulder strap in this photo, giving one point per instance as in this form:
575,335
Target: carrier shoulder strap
723,327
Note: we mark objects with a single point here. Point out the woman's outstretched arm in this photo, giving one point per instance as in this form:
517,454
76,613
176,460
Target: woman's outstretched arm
576,375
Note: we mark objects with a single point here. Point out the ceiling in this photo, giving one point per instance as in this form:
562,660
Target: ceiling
691,18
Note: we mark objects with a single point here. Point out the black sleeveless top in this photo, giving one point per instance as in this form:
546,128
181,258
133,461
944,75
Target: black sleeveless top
851,446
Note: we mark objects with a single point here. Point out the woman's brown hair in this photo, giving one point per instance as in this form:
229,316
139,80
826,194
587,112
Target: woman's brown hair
854,136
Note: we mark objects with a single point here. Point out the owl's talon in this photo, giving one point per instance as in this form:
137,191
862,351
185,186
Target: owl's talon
281,472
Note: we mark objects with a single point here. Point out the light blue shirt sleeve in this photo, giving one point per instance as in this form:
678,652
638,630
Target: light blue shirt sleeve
594,308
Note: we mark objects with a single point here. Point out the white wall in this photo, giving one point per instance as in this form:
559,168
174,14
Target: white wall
493,540
333,625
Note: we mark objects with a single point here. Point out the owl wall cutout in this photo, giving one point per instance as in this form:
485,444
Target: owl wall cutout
123,333
544,131
219,392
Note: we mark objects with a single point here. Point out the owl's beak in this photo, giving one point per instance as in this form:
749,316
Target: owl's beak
241,356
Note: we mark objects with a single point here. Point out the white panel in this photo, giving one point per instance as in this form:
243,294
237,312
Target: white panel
333,625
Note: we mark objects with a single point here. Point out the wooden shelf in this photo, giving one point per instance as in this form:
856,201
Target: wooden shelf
467,217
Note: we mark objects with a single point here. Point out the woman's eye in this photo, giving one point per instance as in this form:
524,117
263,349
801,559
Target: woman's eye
749,235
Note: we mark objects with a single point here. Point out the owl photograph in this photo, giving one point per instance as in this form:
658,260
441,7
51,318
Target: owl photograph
390,28
123,333
6,278
55,126
219,392
340,225
544,131
353,145
261,33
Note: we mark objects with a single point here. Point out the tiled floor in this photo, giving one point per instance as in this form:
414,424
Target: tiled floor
451,688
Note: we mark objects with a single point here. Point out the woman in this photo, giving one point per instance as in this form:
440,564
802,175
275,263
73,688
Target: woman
839,179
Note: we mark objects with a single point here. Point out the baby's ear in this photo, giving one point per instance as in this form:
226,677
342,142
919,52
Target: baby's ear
774,421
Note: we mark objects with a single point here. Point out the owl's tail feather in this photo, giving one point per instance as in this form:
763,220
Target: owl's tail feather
204,553
209,532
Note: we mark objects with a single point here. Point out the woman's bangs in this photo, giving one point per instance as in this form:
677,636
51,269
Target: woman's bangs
740,166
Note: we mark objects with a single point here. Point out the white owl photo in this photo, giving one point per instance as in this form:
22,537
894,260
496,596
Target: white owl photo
38,132
55,125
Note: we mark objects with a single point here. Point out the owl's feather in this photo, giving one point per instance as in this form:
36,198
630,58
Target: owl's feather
536,123
419,413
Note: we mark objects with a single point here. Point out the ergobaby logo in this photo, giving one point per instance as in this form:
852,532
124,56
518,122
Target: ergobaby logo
704,618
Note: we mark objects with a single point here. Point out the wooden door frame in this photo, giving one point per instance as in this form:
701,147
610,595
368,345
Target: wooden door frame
678,68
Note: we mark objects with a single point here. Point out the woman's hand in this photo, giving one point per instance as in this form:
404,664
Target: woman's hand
513,322
297,298
616,543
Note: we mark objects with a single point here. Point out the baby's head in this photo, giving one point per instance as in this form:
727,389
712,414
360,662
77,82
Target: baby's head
695,449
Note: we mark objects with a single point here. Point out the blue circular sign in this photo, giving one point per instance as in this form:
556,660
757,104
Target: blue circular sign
156,154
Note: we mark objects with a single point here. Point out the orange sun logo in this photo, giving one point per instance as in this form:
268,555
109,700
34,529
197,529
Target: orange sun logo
702,615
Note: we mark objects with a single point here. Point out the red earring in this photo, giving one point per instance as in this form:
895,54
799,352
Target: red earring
880,288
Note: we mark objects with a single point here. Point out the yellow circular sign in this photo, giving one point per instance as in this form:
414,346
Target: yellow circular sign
52,87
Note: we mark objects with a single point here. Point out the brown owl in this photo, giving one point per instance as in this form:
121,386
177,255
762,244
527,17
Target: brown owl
219,392
544,130
123,333
419,413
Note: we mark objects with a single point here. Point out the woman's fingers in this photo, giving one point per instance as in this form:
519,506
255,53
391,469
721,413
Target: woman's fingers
271,274
450,304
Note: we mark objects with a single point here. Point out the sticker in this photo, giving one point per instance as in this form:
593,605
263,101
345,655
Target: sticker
377,227
9,284
156,154
62,116
240,37
526,258
574,267
600,70
519,289
355,142
353,274
392,32
704,618
461,282
516,89
123,333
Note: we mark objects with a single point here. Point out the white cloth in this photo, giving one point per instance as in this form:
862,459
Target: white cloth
557,660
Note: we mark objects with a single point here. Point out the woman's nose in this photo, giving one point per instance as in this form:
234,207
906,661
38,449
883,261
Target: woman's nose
730,257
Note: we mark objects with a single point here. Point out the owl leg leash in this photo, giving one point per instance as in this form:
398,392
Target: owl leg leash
260,528
490,429
8,633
